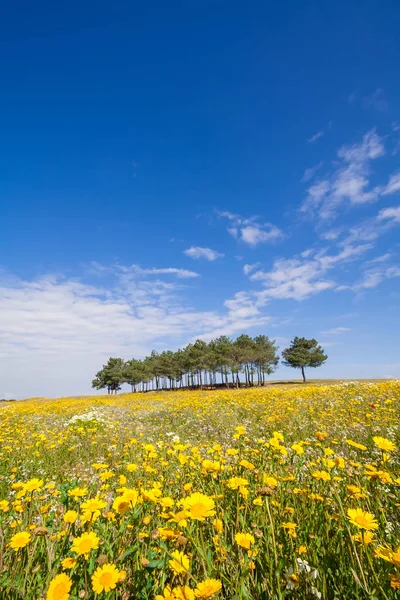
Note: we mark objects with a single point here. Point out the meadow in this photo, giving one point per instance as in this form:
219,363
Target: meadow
229,494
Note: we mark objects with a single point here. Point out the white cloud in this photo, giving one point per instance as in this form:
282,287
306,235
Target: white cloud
247,269
301,278
393,185
250,231
253,235
371,229
180,273
96,268
197,252
373,277
336,330
390,214
311,172
380,259
331,234
350,182
315,137
242,305
58,332
375,100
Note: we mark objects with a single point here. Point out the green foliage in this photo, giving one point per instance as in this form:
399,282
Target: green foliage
111,375
303,353
196,365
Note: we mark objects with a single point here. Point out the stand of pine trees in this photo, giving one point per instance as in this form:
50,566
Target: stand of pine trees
244,361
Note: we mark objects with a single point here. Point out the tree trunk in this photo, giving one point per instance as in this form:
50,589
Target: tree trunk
226,379
304,375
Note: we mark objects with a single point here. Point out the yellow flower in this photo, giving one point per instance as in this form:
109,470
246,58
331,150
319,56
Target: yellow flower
247,465
77,492
395,582
389,555
20,540
384,552
356,445
199,506
240,430
236,482
208,588
302,550
93,505
70,516
384,444
69,562
4,505
167,502
121,505
33,484
166,595
106,475
364,537
269,481
396,558
362,519
85,543
105,578
340,462
298,448
218,525
131,496
183,592
244,540
321,475
180,562
59,588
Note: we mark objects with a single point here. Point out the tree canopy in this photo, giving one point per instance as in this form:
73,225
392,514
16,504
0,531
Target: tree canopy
303,353
245,360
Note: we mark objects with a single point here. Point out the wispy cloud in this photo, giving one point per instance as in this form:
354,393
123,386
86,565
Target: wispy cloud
250,231
372,228
393,185
315,137
51,321
198,252
336,330
350,182
311,172
299,278
375,100
391,214
380,259
138,271
247,269
373,277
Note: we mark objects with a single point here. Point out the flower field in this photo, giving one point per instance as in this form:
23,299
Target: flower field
248,494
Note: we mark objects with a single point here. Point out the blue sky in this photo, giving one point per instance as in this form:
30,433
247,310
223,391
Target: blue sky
191,169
